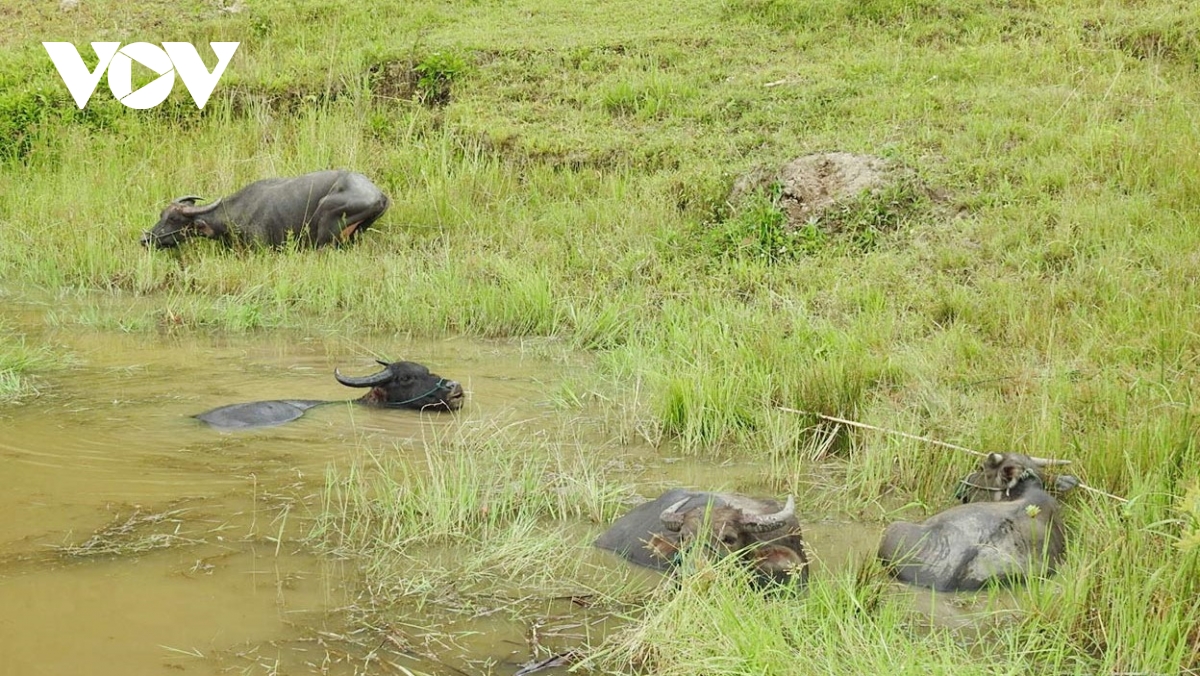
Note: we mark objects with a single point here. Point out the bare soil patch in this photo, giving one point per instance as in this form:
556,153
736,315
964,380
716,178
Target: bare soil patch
813,185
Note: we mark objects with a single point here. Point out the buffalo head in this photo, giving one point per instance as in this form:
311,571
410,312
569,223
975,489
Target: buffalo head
1004,476
722,528
180,220
406,384
768,539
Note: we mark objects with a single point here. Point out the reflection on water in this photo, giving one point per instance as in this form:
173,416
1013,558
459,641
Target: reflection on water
139,540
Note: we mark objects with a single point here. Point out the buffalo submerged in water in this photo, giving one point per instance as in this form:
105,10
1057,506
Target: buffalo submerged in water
1010,529
401,384
760,533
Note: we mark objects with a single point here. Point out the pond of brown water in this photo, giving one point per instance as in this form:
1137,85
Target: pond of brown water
137,540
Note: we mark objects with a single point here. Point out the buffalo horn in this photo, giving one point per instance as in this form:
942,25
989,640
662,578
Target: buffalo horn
383,363
189,200
195,211
671,519
760,523
366,381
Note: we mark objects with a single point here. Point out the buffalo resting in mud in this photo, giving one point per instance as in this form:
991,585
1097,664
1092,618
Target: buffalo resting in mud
401,384
317,209
1008,530
758,531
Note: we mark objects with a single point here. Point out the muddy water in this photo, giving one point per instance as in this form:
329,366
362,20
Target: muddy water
139,541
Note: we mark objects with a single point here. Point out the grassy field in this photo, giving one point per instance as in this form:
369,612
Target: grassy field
561,169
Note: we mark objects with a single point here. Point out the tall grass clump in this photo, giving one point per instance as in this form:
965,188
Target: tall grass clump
1141,579
435,75
724,379
498,503
759,230
848,623
470,523
22,362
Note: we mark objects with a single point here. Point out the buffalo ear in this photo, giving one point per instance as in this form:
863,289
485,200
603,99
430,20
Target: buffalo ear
662,547
776,558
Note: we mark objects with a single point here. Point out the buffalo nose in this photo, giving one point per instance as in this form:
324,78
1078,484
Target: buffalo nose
454,394
146,239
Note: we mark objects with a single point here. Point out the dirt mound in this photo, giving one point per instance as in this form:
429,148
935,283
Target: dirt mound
811,185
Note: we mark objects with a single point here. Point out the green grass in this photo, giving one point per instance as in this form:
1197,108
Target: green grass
23,363
561,170
472,480
732,629
471,520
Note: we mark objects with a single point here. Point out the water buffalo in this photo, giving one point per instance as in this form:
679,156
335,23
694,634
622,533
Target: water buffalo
758,531
401,384
1008,530
324,207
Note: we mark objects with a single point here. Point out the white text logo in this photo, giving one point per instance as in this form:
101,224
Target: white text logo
171,58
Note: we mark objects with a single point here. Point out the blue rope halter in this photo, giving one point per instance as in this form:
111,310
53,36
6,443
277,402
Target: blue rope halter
395,404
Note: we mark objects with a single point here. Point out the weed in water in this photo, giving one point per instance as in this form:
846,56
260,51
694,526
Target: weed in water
20,362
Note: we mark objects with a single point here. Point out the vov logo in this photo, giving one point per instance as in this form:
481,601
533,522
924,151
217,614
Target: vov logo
171,58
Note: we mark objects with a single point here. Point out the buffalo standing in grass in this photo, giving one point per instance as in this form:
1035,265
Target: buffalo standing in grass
317,209
1010,529
758,531
401,384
